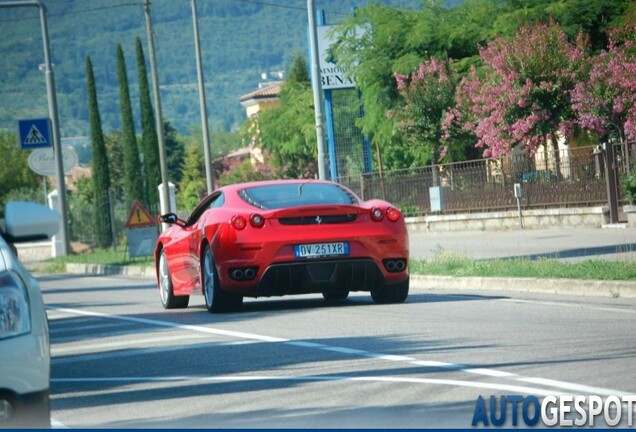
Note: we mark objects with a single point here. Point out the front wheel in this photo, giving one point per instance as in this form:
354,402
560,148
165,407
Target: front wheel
216,299
395,293
168,299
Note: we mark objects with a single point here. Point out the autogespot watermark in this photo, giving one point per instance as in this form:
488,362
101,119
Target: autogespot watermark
554,410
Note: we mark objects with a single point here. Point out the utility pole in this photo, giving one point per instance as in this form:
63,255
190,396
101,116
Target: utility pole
610,181
202,105
317,88
165,197
53,114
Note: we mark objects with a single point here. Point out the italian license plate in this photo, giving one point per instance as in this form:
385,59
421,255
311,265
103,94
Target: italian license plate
318,250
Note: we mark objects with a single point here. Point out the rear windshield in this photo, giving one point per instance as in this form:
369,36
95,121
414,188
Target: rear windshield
296,194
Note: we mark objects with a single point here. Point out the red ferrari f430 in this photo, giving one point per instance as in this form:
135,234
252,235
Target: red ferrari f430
281,237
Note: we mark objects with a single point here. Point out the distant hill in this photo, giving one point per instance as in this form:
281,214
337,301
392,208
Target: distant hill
240,40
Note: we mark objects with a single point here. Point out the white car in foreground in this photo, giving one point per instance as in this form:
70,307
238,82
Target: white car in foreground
25,361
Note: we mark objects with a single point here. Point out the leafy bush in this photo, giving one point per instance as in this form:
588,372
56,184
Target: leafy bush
629,186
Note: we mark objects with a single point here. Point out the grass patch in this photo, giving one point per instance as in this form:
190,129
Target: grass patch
453,264
444,263
100,256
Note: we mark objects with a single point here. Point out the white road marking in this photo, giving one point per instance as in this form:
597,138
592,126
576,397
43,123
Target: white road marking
57,350
58,425
55,320
490,372
390,379
582,389
446,366
569,305
142,351
93,327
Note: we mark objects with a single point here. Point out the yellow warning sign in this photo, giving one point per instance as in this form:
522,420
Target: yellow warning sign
139,217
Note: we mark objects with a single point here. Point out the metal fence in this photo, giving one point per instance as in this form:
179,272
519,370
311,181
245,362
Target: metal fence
571,178
82,217
567,178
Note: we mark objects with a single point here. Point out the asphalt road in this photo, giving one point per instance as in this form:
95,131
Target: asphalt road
121,361
564,244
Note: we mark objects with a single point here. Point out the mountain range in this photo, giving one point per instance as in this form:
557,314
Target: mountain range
243,42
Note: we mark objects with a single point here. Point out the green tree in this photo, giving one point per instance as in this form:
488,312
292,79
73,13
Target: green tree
287,133
175,153
428,95
99,164
373,55
192,187
114,150
245,172
80,208
149,139
14,172
133,179
298,70
222,142
592,17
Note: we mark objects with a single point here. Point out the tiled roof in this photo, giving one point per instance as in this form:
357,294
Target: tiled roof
264,93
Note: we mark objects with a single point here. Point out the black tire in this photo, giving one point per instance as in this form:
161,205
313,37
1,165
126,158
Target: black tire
168,299
335,295
395,293
32,411
216,298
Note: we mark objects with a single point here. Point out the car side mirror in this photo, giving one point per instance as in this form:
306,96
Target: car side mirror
28,221
170,218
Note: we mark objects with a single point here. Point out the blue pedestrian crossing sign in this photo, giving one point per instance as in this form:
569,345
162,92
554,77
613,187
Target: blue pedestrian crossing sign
35,133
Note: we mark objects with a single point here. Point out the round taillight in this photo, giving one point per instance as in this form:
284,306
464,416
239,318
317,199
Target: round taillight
376,214
257,220
238,222
392,214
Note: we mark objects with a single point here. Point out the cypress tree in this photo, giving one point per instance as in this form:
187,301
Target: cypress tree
192,187
175,153
99,163
298,72
133,179
149,139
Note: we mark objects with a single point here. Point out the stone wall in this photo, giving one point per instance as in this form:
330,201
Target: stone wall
630,212
31,252
587,217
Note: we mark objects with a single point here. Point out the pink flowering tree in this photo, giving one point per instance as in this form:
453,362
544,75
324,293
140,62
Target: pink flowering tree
606,100
523,96
426,96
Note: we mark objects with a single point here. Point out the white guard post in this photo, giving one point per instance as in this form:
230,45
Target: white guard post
57,248
173,201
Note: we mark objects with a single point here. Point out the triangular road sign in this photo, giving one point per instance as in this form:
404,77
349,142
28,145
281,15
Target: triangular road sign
34,136
139,217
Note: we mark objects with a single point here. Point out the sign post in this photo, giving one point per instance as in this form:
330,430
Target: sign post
53,114
517,189
141,232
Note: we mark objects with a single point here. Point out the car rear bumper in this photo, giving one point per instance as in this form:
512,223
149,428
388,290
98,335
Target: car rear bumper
307,277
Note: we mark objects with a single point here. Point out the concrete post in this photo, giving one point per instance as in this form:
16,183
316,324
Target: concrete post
57,241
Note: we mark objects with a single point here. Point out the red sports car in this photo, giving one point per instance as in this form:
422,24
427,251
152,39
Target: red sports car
280,237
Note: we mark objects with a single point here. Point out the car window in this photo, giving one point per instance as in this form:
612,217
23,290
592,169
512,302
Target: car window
215,200
296,194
